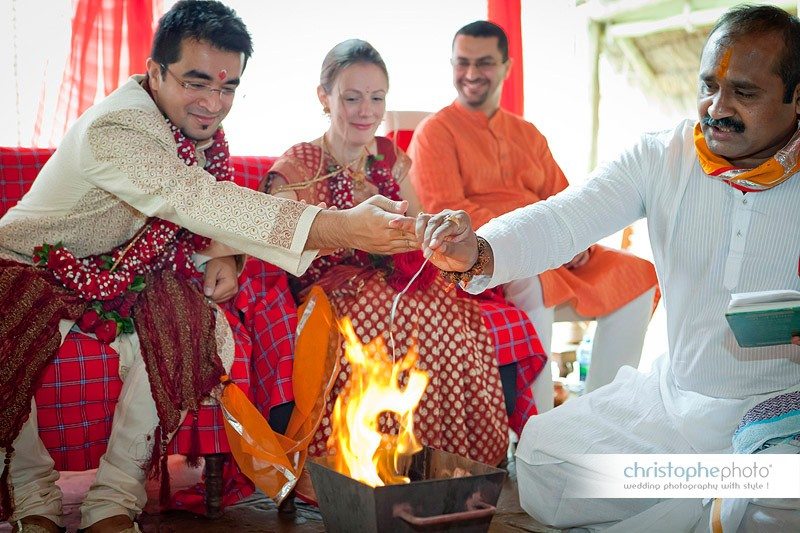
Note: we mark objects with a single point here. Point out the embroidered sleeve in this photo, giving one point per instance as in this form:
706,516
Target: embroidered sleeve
133,157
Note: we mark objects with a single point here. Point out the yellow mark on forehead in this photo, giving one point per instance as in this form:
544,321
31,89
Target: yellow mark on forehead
722,70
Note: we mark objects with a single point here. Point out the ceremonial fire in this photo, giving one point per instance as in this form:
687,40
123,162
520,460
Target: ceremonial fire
361,450
375,482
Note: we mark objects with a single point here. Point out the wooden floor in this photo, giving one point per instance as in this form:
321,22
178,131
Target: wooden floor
259,514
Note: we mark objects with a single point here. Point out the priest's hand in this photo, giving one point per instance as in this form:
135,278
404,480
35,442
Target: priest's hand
378,226
221,279
448,240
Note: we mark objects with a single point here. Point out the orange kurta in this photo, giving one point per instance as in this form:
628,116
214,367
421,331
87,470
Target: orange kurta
489,166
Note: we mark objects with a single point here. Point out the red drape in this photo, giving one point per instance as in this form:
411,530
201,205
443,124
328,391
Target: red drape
506,14
110,41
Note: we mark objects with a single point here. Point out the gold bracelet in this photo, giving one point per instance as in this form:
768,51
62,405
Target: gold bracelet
476,269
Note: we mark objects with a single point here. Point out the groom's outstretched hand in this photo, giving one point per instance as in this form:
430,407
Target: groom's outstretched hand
377,225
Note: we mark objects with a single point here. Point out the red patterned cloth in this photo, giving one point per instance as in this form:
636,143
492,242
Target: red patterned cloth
462,340
269,311
76,402
78,393
18,168
515,341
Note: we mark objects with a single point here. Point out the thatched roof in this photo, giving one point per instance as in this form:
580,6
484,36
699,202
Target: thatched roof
659,41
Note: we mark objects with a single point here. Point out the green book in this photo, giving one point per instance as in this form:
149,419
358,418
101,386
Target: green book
765,318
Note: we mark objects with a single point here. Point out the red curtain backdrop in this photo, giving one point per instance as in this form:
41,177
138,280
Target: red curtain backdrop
110,41
506,14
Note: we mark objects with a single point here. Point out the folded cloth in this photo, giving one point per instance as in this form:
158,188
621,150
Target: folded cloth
773,426
772,421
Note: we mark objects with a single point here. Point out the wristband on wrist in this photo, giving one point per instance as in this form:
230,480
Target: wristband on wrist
475,270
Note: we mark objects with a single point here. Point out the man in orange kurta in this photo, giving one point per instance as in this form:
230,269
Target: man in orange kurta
474,156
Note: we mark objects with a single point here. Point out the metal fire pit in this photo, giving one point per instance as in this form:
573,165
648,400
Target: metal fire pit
433,501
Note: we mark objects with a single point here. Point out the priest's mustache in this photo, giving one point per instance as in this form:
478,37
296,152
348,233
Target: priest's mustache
726,122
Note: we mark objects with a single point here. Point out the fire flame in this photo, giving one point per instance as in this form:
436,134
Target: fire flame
361,450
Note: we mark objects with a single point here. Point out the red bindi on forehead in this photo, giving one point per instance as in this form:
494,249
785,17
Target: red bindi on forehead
222,74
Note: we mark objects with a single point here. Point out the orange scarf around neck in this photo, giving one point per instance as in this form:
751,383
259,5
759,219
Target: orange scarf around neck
779,168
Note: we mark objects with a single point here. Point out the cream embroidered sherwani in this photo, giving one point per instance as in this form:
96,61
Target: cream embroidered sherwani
116,167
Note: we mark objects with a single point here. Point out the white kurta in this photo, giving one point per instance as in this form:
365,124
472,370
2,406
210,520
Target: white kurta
709,240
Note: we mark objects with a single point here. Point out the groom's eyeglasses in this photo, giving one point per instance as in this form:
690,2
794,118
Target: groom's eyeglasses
201,90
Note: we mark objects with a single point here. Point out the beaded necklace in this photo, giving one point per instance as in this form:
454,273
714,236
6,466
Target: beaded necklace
359,175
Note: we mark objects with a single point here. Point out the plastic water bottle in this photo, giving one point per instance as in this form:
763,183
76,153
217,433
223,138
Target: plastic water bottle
584,357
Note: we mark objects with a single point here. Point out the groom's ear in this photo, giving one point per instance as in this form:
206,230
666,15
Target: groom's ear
154,74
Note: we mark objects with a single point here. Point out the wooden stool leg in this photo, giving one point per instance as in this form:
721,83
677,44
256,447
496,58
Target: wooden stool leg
213,474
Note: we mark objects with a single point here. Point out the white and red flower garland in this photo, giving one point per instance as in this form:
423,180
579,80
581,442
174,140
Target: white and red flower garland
112,281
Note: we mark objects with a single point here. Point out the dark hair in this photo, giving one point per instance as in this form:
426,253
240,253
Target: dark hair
484,28
209,21
748,20
345,54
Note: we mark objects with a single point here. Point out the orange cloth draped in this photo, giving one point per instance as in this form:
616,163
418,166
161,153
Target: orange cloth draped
507,15
769,174
271,460
488,167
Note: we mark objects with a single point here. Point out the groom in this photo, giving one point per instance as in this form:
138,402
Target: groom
140,191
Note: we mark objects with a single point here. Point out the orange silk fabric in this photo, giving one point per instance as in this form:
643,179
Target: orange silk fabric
271,460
